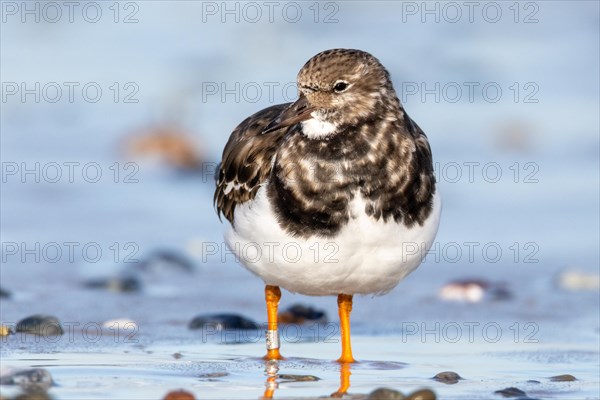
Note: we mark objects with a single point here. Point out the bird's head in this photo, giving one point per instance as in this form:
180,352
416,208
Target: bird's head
338,87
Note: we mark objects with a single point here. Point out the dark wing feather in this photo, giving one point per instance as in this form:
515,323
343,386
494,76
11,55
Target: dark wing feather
246,162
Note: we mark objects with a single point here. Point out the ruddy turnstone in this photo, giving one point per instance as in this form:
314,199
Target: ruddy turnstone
327,195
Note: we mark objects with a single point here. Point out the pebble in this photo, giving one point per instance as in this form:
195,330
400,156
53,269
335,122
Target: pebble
298,378
514,135
5,330
212,376
31,380
563,378
385,394
165,260
177,355
121,324
166,144
471,292
389,394
179,395
300,314
511,392
222,322
119,284
42,325
577,281
448,377
474,291
423,394
4,294
33,396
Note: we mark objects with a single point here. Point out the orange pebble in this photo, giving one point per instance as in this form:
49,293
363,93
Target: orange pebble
179,395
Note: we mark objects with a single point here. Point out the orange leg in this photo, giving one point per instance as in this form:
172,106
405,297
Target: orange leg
344,380
345,308
272,296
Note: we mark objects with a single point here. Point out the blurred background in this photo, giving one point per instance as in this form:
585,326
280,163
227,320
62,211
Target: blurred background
114,115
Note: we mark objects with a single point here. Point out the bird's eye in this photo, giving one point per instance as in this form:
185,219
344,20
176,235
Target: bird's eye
340,86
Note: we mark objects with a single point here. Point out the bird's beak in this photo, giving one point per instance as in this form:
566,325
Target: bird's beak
298,111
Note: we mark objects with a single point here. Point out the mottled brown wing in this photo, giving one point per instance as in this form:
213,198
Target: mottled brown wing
419,194
422,147
246,162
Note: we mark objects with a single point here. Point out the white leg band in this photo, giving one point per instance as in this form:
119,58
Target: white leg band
272,339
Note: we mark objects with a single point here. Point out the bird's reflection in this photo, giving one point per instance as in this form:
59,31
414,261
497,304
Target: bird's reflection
271,370
272,373
344,380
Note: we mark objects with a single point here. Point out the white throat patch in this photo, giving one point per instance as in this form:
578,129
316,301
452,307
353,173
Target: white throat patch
316,128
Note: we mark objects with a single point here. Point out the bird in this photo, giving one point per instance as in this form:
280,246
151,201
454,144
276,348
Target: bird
331,194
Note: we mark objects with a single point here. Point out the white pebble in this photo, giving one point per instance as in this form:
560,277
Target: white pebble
576,281
471,292
121,324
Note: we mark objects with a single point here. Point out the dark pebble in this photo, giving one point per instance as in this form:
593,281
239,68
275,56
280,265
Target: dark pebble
177,355
500,293
300,314
210,376
165,260
33,396
222,322
31,380
511,392
298,378
4,294
563,378
423,394
179,395
119,284
43,325
385,394
448,377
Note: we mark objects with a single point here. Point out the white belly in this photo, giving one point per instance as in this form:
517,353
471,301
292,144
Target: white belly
367,256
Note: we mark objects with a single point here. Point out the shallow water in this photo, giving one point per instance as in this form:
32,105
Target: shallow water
401,340
148,372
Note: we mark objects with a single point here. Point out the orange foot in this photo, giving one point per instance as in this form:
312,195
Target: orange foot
273,354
